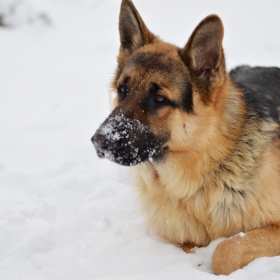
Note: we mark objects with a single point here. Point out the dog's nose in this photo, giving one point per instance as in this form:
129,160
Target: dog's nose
102,144
99,141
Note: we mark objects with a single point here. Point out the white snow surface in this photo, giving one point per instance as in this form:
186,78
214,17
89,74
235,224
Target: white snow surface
64,213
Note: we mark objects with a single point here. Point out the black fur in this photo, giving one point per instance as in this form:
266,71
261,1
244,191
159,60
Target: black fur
188,99
261,87
126,141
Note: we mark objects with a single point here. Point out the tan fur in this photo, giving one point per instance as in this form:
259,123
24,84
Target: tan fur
212,183
262,242
185,200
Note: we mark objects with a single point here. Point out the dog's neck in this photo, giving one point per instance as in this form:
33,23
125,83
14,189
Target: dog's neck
183,174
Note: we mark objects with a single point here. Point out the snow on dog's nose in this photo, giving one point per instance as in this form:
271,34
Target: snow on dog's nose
125,141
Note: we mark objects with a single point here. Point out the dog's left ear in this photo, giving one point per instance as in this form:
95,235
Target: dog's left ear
133,31
203,55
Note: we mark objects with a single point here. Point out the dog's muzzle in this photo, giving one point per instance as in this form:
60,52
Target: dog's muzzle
126,141
103,145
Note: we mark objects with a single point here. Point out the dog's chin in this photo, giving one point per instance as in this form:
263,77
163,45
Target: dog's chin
132,160
128,162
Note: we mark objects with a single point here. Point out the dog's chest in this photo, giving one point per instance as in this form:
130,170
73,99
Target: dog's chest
176,220
206,215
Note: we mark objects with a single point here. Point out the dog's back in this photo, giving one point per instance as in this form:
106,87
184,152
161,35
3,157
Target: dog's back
261,87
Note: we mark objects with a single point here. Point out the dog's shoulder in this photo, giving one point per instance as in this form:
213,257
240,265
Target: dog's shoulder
261,88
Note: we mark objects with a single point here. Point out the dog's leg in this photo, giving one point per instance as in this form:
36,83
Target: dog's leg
239,250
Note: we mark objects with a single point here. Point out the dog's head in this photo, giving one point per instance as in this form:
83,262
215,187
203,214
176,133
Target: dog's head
163,92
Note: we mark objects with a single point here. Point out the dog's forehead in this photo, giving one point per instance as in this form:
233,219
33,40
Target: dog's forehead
153,66
152,60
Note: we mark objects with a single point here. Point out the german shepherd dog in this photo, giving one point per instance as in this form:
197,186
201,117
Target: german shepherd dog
204,143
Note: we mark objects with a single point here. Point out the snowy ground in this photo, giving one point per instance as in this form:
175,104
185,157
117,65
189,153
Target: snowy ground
65,214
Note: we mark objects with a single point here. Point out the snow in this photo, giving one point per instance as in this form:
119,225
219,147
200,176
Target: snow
242,234
64,213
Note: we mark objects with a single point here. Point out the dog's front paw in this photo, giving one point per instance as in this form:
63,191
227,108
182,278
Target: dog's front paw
230,255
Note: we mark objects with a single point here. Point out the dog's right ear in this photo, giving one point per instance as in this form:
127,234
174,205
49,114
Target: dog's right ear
133,31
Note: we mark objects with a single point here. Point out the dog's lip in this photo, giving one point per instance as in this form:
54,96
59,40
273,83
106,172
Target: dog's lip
165,147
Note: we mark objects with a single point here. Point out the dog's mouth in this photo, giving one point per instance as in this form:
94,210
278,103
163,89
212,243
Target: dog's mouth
127,142
126,159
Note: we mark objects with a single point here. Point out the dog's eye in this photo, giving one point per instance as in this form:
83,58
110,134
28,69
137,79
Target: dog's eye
159,98
123,89
121,92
